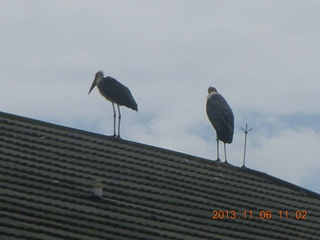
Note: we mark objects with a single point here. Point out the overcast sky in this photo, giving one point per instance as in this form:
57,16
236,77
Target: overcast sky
262,56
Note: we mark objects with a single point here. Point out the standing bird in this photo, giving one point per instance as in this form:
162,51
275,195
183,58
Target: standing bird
116,93
221,118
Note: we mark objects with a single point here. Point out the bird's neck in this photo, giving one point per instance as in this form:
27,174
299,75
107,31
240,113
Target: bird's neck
211,94
98,80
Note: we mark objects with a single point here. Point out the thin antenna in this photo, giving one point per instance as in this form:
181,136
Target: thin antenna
246,131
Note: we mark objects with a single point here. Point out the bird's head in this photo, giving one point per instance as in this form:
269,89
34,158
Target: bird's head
212,90
97,78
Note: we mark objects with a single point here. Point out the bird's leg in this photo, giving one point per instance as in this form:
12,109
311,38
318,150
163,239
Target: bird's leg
119,116
218,158
114,121
225,153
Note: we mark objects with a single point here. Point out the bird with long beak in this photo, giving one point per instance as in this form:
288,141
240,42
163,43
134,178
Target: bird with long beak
221,117
116,93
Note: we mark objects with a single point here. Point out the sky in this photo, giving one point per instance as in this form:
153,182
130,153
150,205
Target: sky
262,56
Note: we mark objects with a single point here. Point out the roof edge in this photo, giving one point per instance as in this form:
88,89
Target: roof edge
282,182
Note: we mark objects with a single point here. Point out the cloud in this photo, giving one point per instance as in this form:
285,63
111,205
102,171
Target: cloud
290,154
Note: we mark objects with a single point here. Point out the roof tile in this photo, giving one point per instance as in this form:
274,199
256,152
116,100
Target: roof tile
46,172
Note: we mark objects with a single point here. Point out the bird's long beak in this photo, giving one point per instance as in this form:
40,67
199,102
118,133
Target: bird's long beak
92,86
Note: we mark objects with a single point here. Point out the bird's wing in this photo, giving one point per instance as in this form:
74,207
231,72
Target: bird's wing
220,114
116,92
218,109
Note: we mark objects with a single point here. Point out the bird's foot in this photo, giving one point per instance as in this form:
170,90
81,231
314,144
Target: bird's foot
116,136
218,160
226,162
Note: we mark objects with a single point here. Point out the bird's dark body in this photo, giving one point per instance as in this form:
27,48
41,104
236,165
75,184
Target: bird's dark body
221,117
116,92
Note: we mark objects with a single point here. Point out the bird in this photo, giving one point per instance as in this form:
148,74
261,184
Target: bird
116,93
221,117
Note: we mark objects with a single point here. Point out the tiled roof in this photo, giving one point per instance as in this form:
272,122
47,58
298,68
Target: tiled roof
46,173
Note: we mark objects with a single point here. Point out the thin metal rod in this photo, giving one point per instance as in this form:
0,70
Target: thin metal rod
246,131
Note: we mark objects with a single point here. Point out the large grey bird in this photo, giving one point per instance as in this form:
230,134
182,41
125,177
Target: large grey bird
116,93
221,117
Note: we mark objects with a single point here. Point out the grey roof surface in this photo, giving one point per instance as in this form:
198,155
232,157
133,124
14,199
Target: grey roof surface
46,172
